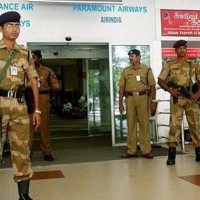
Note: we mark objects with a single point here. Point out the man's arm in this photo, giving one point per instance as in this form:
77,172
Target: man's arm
121,96
153,104
153,92
36,114
35,89
173,91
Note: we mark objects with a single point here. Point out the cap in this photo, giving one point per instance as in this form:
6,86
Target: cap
179,43
134,51
11,16
37,53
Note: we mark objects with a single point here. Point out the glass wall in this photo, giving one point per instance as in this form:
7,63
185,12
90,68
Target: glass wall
98,97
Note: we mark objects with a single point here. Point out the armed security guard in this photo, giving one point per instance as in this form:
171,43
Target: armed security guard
134,84
48,85
183,73
15,61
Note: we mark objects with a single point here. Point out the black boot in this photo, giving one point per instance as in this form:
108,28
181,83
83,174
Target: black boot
197,151
171,156
23,189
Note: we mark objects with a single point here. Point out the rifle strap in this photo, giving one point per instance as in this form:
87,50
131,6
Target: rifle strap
4,70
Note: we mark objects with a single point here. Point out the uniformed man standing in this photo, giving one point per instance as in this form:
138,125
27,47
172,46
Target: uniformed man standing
134,82
16,63
48,84
183,73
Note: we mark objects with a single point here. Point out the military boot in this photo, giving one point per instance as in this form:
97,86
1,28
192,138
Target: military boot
197,151
171,156
23,189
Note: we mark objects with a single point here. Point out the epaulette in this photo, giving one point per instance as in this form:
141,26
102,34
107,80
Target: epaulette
128,67
2,46
189,61
46,68
24,50
171,61
23,47
148,67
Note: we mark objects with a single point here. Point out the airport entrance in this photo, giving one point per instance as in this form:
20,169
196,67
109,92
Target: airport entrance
82,107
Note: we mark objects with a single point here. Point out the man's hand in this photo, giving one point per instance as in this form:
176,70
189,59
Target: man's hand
174,92
153,108
36,120
121,108
195,96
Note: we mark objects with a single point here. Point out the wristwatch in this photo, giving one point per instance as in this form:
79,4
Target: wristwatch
38,111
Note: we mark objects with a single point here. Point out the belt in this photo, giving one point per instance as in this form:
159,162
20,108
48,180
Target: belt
44,92
8,93
186,88
136,93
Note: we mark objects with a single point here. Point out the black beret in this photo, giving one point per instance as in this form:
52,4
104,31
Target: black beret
179,43
134,51
11,16
37,53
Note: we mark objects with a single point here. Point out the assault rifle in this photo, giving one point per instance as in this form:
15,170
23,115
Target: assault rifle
183,91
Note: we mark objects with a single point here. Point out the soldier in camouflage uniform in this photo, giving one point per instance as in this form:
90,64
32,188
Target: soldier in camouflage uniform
48,84
134,82
183,73
13,108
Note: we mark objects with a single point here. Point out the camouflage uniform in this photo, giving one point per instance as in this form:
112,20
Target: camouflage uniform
48,82
15,120
180,75
137,107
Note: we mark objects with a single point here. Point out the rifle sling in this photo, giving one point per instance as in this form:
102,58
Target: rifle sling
4,70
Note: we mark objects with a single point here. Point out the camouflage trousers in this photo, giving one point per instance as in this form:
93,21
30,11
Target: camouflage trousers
15,123
177,110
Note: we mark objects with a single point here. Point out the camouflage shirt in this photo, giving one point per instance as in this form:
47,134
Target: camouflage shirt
181,73
22,59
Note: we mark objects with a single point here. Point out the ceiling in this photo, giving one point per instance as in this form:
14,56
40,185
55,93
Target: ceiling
65,54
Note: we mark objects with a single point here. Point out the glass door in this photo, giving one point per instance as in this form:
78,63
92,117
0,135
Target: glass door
98,98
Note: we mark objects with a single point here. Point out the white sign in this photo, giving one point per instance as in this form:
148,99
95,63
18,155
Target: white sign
84,1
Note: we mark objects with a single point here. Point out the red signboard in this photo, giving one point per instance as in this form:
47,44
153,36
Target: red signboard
170,53
180,23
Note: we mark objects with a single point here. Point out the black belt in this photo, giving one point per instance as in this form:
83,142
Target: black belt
136,93
44,92
186,88
8,93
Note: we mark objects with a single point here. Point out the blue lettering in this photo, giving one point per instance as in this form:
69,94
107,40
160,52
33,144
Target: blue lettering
9,6
111,20
25,23
132,9
27,6
94,8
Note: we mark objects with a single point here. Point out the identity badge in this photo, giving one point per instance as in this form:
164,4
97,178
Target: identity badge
13,70
138,78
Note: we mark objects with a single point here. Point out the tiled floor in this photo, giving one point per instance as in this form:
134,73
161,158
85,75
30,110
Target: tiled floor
134,179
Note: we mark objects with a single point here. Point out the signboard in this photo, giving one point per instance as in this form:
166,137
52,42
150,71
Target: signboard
82,2
170,53
180,23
